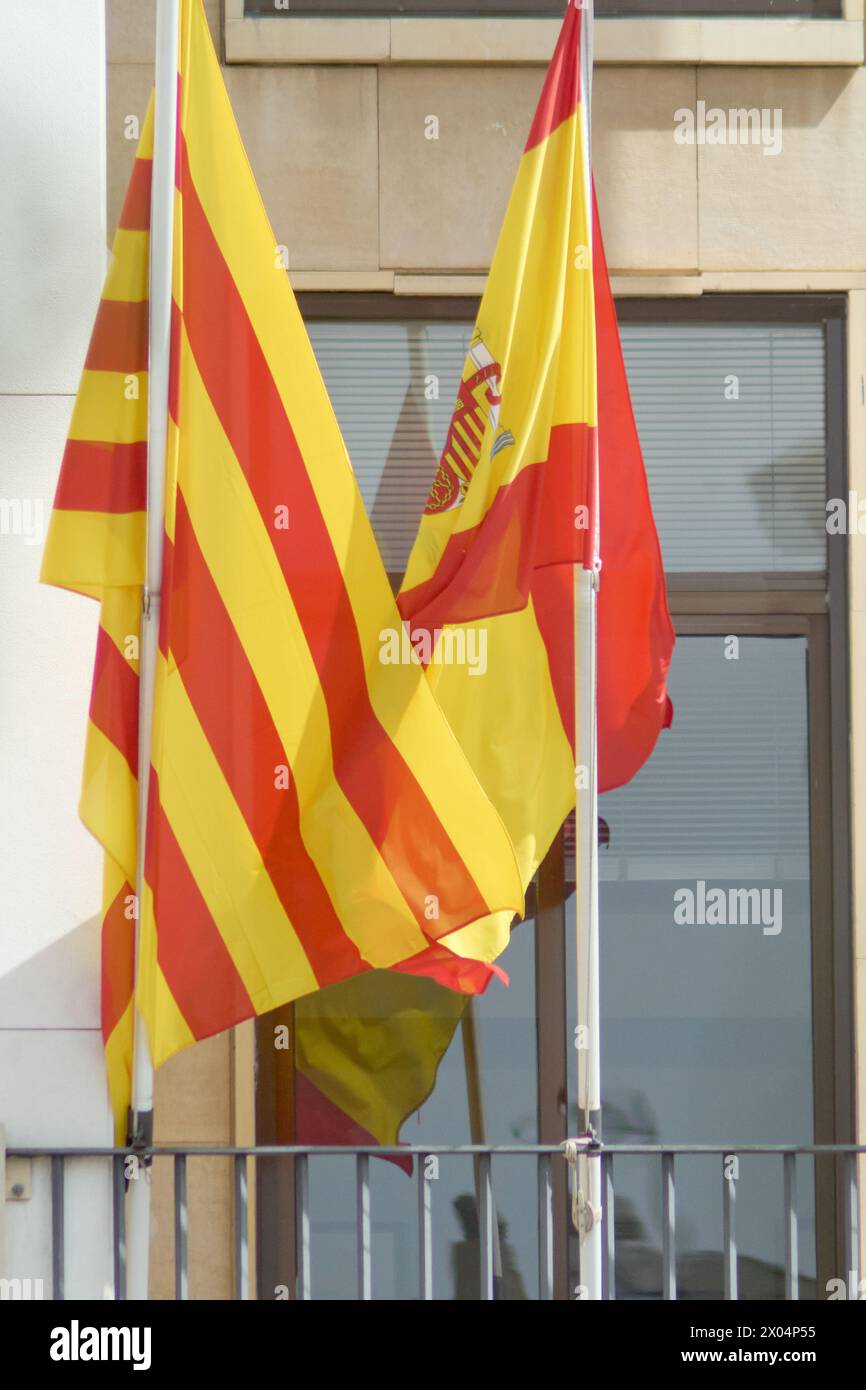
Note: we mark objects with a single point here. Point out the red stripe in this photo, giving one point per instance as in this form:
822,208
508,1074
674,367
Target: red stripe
118,962
488,569
101,477
194,959
135,213
114,699
635,634
237,723
318,1120
457,973
118,342
561,91
553,603
373,775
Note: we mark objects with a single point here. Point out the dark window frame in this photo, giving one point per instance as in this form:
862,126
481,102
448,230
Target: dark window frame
548,9
761,604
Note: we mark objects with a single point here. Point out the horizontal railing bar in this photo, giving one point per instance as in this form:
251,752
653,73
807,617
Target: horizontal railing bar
411,1150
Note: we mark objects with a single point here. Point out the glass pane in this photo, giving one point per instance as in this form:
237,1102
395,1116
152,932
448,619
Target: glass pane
503,1078
706,965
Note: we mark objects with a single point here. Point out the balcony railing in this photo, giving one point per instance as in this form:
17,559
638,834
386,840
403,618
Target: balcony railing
547,1155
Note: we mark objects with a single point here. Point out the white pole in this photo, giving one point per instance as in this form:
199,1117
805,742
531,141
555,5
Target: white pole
586,818
586,915
159,341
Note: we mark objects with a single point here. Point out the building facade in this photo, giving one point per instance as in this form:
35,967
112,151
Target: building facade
731,176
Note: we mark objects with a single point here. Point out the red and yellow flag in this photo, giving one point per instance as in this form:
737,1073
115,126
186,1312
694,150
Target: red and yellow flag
310,814
513,507
95,545
507,519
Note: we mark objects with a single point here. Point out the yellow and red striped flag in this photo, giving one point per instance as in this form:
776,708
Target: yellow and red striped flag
513,507
95,545
310,814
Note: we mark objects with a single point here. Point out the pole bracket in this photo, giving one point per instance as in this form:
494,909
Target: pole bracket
139,1135
584,1212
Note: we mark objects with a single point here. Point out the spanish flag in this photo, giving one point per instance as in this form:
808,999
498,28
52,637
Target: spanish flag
311,816
542,432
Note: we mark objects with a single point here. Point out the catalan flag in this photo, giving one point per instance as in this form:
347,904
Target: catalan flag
311,816
513,507
95,545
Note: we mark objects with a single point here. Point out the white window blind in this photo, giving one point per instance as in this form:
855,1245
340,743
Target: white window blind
731,421
726,790
731,418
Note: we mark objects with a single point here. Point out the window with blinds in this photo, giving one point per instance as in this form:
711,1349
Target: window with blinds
731,418
729,787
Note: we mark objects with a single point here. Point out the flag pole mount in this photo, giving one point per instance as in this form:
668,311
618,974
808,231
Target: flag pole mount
159,345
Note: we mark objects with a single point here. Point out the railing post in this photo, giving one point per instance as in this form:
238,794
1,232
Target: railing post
669,1229
181,1233
485,1226
302,1190
241,1219
364,1230
425,1232
545,1229
118,1223
729,1200
851,1210
58,1230
792,1247
608,1229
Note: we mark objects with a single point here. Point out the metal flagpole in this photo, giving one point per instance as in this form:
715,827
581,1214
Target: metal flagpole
159,339
478,1135
586,817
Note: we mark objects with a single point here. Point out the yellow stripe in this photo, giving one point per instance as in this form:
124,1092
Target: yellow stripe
173,1032
239,223
528,767
462,462
224,859
145,140
127,274
120,618
484,940
172,455
88,551
108,799
470,428
107,411
118,1066
253,589
167,1029
118,1045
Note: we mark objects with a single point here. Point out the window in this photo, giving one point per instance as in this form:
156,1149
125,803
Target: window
549,8
714,1032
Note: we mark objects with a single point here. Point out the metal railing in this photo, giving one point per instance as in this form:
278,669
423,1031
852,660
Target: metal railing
126,1160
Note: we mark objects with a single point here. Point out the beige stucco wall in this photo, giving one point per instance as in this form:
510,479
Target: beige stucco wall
363,200
351,183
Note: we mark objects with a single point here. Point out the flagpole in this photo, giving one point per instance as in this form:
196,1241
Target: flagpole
159,340
588,1050
478,1135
